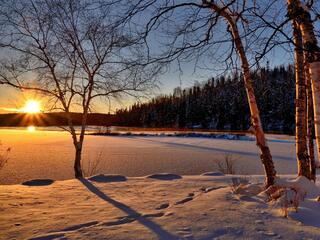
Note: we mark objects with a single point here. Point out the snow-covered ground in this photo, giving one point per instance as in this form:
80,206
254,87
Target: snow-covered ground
154,207
164,207
50,154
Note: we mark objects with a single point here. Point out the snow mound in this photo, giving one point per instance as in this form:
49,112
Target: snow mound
302,184
38,182
212,174
164,176
108,178
250,189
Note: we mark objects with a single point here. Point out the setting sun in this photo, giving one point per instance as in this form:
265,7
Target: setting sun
32,106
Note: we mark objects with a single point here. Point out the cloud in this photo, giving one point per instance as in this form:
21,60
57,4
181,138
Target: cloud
6,109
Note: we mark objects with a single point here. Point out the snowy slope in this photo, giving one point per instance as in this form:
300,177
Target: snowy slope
154,207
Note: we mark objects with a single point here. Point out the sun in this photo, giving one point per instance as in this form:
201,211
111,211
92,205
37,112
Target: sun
32,106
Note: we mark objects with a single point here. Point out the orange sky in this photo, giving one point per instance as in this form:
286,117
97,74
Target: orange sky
12,100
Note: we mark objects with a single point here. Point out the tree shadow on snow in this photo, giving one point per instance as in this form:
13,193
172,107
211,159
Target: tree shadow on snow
161,233
214,149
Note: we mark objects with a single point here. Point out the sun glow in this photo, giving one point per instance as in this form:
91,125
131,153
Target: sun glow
31,128
32,106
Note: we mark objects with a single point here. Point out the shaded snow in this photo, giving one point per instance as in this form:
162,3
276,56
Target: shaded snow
164,176
38,182
108,178
212,174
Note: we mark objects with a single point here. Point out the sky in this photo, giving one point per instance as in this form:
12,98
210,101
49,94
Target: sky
184,74
11,100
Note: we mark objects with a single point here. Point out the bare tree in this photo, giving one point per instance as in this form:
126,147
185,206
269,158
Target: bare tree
304,100
196,31
74,52
261,141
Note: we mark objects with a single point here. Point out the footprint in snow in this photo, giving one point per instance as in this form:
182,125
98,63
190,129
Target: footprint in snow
162,206
187,199
121,220
209,189
153,215
168,214
78,226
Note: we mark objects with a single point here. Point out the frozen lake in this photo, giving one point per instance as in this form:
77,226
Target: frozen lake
49,154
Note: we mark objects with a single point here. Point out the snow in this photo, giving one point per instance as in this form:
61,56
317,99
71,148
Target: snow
38,182
107,178
164,202
303,184
49,154
191,207
308,213
164,176
212,174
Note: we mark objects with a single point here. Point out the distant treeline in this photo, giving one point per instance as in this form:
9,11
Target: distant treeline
53,119
220,103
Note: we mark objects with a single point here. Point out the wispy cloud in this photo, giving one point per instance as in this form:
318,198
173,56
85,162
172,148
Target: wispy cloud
6,109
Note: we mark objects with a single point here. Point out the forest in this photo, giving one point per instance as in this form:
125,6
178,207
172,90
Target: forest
221,104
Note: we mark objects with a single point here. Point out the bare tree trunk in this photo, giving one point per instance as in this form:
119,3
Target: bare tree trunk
302,16
77,161
77,145
310,123
300,105
261,141
85,104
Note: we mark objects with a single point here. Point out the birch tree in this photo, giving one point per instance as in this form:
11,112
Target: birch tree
310,122
300,105
74,52
299,12
189,43
261,141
